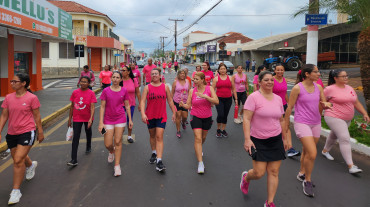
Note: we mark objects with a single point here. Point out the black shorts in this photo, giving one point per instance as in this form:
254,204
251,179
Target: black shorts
156,123
270,149
105,85
201,123
25,139
178,107
242,97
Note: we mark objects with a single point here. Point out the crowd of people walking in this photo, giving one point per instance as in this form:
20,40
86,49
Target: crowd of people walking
264,113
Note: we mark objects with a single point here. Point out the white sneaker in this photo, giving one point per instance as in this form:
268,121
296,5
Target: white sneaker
237,121
354,169
30,172
240,119
110,157
201,168
15,196
327,155
117,170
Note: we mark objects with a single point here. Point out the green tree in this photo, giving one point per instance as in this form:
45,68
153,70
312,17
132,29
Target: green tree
358,11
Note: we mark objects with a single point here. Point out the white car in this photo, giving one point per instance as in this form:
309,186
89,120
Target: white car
229,66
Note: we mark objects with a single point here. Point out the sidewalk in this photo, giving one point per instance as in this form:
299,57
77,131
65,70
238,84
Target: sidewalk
54,101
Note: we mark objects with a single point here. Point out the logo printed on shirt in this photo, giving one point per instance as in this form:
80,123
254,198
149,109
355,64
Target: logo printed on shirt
24,104
80,103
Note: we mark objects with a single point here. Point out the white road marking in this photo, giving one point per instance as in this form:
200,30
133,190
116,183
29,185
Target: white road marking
52,83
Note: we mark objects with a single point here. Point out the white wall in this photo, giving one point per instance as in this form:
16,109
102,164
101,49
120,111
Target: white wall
55,61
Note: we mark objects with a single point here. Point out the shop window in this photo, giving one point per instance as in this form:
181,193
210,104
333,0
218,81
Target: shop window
335,39
344,47
345,37
352,58
335,46
325,46
66,50
45,50
21,63
353,36
352,47
344,57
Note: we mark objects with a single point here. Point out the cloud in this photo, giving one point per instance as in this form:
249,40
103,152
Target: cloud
134,18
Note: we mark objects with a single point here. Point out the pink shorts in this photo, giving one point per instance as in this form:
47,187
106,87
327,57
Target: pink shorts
307,130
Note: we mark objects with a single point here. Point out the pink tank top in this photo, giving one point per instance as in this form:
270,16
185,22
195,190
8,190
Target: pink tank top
223,87
240,83
181,92
201,107
280,89
156,102
307,106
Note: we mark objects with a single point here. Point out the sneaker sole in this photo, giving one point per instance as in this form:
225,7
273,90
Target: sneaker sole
360,171
160,170
70,164
33,173
305,191
153,162
298,178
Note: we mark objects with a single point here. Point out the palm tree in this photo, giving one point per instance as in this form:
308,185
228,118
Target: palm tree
358,11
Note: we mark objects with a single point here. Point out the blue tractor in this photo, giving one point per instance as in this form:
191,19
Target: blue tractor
288,60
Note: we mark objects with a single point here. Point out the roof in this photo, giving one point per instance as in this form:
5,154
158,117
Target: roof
74,7
232,37
201,32
257,44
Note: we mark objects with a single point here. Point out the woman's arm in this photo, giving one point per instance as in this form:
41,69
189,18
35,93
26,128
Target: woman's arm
247,117
214,83
361,109
173,88
170,102
139,79
3,119
324,104
128,111
92,113
247,84
188,104
101,118
233,90
70,115
213,99
137,91
144,118
287,139
292,100
37,117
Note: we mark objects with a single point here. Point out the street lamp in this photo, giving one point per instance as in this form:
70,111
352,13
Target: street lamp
162,25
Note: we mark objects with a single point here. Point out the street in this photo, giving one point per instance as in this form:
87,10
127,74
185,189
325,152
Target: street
92,183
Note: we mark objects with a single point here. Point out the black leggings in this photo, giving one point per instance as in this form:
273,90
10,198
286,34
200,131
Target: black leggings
223,109
77,126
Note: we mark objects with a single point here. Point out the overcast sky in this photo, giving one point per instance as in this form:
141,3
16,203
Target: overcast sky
262,18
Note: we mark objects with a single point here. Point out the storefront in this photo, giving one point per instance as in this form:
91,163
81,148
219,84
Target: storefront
23,24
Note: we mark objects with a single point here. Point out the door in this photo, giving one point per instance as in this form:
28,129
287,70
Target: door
96,60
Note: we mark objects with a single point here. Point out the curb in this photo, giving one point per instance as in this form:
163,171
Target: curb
47,119
358,147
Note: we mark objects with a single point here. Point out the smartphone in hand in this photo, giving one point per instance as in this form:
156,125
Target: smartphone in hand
103,131
253,152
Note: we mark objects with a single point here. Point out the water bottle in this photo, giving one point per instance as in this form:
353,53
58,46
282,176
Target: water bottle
236,111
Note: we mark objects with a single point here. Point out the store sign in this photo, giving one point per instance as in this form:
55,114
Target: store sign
81,40
37,16
200,50
211,48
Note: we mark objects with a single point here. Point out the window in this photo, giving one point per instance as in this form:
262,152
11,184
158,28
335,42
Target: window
21,63
45,49
66,50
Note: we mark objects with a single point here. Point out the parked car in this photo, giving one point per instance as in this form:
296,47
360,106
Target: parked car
229,66
140,63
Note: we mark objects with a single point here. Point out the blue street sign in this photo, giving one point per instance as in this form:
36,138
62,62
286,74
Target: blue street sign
316,19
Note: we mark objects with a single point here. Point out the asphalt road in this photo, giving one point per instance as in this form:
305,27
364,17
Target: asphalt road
92,183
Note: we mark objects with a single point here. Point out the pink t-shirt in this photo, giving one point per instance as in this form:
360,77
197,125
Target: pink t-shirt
130,86
265,122
147,70
164,65
88,74
21,112
201,107
320,83
240,82
255,81
163,79
209,76
82,104
105,76
343,100
115,101
280,89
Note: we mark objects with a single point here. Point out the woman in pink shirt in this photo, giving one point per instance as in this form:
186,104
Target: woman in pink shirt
130,83
105,77
264,133
208,73
155,115
338,118
255,78
305,97
86,72
281,89
164,65
22,109
225,90
180,91
240,81
113,119
197,69
82,110
136,73
200,100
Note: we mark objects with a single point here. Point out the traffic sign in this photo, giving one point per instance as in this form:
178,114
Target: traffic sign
316,19
222,54
79,50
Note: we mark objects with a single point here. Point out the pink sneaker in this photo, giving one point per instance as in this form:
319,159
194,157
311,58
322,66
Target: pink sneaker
110,157
269,205
243,183
117,170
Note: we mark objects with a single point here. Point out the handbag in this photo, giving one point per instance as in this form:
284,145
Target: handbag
92,83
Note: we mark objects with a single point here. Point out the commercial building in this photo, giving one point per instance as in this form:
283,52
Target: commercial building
92,29
23,26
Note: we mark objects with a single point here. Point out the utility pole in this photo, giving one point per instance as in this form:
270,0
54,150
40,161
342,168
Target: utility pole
162,38
176,20
312,35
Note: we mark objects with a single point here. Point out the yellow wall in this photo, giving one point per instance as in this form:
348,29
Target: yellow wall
78,24
92,18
